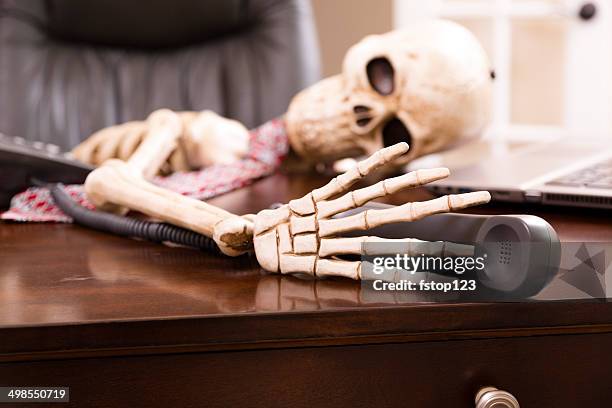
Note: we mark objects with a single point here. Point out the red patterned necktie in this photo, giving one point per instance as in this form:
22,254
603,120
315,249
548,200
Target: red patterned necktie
268,146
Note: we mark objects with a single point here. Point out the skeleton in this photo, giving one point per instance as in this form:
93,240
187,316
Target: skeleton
206,138
428,86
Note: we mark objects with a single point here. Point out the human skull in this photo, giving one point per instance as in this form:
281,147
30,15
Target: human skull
428,85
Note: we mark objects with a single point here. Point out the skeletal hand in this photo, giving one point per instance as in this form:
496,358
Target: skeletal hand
303,236
205,139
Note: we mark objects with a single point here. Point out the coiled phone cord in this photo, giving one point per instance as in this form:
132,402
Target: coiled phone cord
127,226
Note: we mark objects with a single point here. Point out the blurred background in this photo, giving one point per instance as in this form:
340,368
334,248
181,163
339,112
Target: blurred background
71,67
552,58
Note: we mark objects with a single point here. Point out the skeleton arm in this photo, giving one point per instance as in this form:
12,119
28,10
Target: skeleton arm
301,236
205,139
119,185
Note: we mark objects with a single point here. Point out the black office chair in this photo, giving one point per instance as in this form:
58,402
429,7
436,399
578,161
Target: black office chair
71,67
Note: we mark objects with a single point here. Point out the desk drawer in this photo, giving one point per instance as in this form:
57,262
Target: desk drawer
547,371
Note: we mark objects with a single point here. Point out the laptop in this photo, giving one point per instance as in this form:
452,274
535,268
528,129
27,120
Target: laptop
558,173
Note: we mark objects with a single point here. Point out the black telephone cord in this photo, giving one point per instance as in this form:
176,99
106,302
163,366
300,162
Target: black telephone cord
129,227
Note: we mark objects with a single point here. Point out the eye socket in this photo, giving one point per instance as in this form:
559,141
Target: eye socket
394,132
381,75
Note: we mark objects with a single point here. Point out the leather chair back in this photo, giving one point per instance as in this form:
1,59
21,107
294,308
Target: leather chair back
71,67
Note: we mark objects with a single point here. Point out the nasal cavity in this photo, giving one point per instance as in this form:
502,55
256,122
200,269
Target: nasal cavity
362,115
381,75
395,132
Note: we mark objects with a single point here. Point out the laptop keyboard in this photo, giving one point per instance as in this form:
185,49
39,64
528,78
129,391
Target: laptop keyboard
596,176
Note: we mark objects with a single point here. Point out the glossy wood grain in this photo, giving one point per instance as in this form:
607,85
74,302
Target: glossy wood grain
68,291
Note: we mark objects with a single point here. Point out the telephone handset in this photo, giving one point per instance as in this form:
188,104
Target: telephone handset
523,251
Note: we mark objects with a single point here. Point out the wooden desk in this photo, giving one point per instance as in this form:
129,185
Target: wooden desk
128,323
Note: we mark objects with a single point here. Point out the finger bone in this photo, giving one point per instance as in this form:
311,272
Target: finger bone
329,267
305,244
297,263
403,213
266,251
339,184
285,243
267,219
303,206
303,224
359,197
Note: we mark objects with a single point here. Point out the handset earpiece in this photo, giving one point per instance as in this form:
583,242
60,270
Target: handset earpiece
523,254
522,251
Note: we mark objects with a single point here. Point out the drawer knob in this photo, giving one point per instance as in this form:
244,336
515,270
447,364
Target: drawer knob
491,397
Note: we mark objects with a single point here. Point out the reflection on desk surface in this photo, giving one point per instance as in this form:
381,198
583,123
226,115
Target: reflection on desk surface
53,273
81,275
